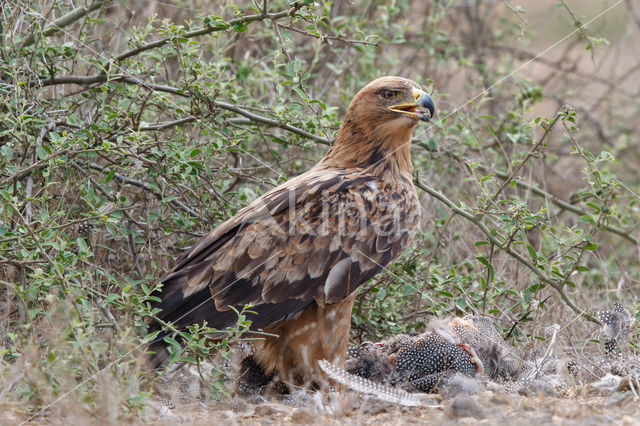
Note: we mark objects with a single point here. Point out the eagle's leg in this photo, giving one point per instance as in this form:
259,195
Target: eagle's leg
316,333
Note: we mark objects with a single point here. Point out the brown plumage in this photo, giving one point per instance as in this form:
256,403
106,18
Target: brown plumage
299,252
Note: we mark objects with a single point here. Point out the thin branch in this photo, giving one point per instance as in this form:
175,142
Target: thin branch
562,204
32,234
146,187
546,195
64,21
557,65
96,298
101,78
634,12
36,165
15,262
111,198
324,37
580,26
530,154
163,126
271,122
502,245
518,12
213,28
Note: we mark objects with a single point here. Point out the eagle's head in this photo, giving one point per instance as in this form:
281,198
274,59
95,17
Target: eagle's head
391,100
379,123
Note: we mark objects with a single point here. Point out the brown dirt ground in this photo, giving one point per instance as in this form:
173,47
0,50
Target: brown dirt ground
487,407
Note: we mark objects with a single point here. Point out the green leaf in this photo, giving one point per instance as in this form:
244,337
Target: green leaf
594,206
535,287
42,154
215,21
240,27
243,72
408,289
110,176
54,136
587,219
82,245
483,260
297,65
382,293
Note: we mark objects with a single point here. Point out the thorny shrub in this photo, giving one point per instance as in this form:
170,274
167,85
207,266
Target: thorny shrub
128,129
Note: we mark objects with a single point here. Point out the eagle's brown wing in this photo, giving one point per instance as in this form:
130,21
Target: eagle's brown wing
316,238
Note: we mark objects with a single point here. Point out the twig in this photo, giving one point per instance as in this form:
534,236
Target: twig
562,204
557,65
546,195
64,21
502,245
163,126
324,38
146,187
213,28
518,14
634,12
516,322
111,198
539,363
580,27
101,78
38,164
530,154
271,122
95,296
15,262
22,304
52,264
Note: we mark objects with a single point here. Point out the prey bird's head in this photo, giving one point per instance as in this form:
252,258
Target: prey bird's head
380,121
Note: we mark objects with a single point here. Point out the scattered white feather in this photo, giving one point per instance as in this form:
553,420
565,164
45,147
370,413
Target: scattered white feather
382,392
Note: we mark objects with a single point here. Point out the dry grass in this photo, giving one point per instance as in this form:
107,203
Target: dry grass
72,302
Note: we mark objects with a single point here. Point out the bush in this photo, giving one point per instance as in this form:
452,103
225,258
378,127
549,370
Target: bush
128,129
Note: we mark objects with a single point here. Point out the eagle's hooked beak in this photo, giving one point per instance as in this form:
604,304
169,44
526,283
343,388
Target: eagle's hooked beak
415,109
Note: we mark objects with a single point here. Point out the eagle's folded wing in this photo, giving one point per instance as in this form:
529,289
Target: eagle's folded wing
316,238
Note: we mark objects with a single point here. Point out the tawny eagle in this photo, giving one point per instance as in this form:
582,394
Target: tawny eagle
300,251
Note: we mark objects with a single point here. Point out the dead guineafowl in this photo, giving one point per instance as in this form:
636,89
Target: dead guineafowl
616,325
426,362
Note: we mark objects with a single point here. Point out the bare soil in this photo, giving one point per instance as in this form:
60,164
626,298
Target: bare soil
582,406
